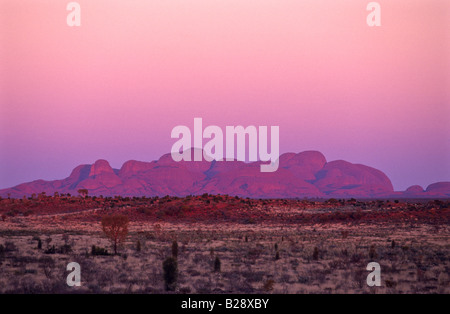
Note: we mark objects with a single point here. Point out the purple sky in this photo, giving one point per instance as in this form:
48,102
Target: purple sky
115,87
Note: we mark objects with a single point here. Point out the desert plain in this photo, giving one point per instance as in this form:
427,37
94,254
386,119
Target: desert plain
290,246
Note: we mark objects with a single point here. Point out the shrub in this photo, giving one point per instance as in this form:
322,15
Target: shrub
138,246
372,252
355,258
66,238
65,249
47,264
96,250
175,249
277,256
268,285
217,264
10,246
50,250
390,283
28,213
316,254
170,268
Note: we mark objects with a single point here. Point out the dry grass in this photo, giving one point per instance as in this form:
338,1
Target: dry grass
418,262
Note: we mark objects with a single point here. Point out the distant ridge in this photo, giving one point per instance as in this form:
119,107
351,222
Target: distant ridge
306,174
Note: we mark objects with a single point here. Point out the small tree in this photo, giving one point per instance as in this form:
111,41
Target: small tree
115,228
83,192
170,268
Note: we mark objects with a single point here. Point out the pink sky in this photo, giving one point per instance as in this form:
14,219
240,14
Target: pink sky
116,86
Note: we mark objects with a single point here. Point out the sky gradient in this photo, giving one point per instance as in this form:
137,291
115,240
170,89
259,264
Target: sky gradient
115,87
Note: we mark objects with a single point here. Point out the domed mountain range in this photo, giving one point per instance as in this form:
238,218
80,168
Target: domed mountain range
306,174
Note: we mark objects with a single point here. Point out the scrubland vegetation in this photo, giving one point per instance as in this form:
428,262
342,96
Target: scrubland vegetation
223,244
